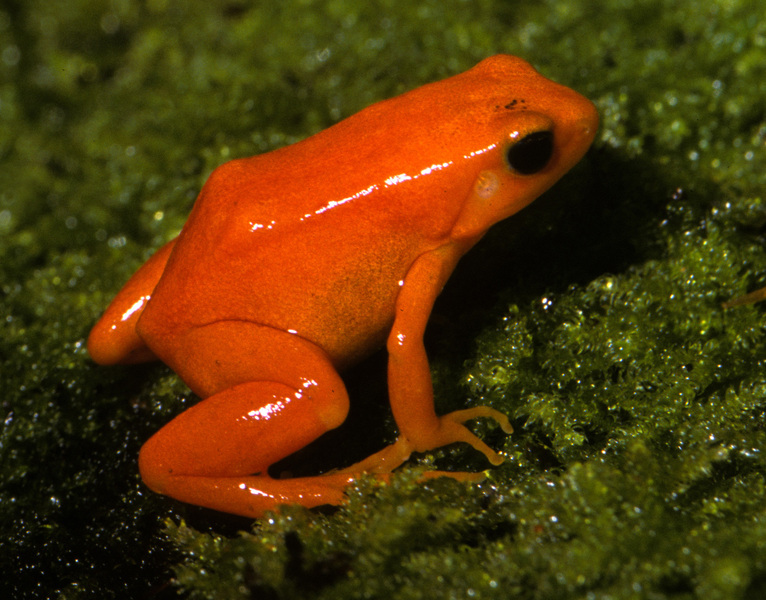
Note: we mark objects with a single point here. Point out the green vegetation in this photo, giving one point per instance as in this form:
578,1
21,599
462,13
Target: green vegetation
593,318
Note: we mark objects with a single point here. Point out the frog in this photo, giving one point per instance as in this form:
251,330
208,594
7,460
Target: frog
300,262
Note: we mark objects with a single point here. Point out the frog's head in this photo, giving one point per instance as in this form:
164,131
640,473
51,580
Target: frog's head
452,158
526,132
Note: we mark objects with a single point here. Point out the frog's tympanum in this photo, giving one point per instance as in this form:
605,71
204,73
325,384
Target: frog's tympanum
300,262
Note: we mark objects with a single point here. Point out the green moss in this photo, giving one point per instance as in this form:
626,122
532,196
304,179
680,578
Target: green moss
636,469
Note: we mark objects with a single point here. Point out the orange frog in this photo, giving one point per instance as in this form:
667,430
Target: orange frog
297,263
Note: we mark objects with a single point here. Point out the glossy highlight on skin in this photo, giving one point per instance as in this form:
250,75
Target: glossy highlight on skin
300,262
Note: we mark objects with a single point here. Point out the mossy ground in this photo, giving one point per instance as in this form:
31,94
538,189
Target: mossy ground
593,318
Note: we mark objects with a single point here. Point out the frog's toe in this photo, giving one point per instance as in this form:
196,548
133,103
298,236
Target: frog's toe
478,412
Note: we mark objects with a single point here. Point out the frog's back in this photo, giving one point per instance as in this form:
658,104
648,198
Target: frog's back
268,255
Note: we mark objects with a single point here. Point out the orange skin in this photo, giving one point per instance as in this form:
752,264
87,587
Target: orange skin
297,263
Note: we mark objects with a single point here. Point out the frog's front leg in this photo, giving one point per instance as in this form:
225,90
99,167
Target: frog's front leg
410,388
216,453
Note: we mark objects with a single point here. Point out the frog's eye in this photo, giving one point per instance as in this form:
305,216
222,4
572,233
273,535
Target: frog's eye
531,153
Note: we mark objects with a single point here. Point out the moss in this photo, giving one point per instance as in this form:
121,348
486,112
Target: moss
636,469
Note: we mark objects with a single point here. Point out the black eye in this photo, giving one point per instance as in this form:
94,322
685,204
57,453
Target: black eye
531,153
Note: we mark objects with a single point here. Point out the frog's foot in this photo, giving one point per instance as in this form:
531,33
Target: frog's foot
451,429
448,430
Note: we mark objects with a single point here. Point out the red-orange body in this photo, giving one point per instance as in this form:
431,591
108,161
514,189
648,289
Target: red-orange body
297,263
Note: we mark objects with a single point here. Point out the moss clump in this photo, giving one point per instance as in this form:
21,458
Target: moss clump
636,468
616,528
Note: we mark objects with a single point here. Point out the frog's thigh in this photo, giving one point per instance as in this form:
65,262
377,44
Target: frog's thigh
208,455
216,357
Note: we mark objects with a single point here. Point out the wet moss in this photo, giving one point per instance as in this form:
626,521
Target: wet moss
636,469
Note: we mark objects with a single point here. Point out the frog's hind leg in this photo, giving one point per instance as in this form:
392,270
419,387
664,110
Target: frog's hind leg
267,394
113,339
